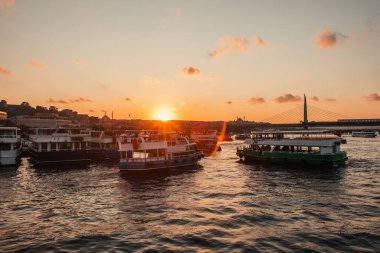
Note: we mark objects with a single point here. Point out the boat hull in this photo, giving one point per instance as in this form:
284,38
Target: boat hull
293,157
106,155
61,156
136,166
9,157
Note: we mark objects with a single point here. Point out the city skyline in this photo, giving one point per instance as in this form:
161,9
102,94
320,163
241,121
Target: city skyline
192,60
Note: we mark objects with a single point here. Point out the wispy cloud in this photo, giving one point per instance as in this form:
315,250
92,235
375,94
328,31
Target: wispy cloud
128,99
80,62
256,100
372,97
36,64
54,101
287,98
229,102
259,41
371,22
326,38
81,100
230,44
330,99
5,72
314,98
6,4
61,101
91,110
191,71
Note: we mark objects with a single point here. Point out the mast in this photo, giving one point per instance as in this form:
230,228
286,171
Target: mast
305,120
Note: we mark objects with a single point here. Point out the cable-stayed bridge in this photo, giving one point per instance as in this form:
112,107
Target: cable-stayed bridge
306,116
296,115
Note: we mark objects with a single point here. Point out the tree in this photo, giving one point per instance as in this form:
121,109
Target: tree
53,109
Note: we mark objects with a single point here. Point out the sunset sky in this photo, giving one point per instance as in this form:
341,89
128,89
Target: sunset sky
197,60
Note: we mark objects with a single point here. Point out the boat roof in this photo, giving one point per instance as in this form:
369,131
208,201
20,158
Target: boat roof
292,132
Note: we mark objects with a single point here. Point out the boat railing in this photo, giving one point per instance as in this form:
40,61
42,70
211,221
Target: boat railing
158,158
9,136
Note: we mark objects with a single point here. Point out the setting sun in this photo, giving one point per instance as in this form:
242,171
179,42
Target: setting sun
163,114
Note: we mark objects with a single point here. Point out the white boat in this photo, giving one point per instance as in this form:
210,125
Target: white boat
364,134
55,145
103,146
10,145
207,142
147,151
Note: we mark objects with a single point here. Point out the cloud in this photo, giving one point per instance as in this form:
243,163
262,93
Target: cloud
259,41
330,99
256,100
191,71
61,101
80,100
6,4
228,102
128,99
103,86
287,98
80,62
53,101
372,97
5,72
327,39
36,64
91,110
372,20
315,99
230,44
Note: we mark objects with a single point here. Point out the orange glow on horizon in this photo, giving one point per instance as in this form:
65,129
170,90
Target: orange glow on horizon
163,114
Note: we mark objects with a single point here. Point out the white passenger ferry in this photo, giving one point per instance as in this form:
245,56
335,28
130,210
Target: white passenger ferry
56,145
147,151
10,145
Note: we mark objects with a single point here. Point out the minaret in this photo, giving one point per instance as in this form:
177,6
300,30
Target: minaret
305,121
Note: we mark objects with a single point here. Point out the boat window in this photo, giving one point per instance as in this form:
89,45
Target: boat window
43,146
62,131
5,146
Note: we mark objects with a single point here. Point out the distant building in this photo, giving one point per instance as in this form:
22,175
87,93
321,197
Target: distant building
106,121
50,120
3,115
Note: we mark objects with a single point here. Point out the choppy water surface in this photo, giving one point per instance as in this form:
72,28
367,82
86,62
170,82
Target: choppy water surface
222,205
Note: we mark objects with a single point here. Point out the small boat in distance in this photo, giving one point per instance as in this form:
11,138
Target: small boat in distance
302,147
364,134
241,137
10,145
149,151
206,141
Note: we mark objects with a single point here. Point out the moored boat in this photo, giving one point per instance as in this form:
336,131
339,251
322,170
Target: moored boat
57,145
103,146
10,145
148,151
207,142
241,137
302,147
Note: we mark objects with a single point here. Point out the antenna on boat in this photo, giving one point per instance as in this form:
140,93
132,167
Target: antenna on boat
305,120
